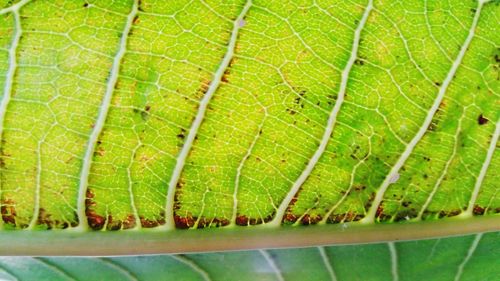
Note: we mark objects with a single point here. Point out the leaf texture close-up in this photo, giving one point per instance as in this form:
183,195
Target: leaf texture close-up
242,116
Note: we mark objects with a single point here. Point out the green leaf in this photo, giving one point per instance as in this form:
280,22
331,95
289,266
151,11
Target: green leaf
164,115
472,257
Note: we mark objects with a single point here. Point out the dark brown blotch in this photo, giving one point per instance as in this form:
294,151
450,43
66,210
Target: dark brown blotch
481,120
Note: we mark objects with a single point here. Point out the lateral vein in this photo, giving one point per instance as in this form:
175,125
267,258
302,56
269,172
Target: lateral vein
370,216
272,264
482,173
200,115
394,260
327,263
101,118
119,268
240,169
11,70
471,251
445,171
280,211
194,266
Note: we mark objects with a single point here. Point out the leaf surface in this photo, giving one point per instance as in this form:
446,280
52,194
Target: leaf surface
131,114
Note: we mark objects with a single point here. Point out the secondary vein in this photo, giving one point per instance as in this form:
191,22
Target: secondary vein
394,261
269,259
200,115
370,216
280,212
11,70
482,173
471,251
194,266
101,118
327,263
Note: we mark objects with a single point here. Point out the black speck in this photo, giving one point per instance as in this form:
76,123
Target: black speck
481,120
358,62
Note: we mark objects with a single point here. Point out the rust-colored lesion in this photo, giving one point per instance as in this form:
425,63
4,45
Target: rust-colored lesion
118,224
150,223
344,217
94,220
202,90
186,222
97,221
8,211
309,219
45,220
289,217
227,72
243,220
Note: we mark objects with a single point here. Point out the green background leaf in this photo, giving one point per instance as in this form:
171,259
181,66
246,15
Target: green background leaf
473,257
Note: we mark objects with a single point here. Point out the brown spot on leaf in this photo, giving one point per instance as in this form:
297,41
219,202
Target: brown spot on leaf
100,151
94,220
225,76
406,215
129,222
346,217
432,126
289,218
202,90
214,222
481,120
308,219
8,211
242,220
359,62
451,213
183,222
45,218
113,224
149,223
136,19
478,210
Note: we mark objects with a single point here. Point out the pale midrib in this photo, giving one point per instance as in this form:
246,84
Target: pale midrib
471,251
200,116
280,211
482,173
272,264
370,216
326,262
101,118
11,72
193,266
